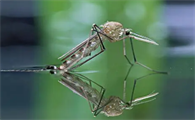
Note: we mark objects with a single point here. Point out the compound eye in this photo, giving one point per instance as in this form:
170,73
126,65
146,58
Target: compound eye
127,33
52,72
52,67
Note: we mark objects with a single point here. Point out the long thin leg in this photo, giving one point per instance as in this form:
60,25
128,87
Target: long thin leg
124,53
134,84
100,31
95,27
96,112
135,60
125,83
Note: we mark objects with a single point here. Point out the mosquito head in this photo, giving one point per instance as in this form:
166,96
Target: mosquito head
113,30
51,67
53,72
127,32
114,107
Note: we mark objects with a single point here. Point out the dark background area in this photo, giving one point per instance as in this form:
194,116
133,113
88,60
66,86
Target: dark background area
20,46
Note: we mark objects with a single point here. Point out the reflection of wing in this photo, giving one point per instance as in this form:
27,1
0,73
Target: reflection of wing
72,87
76,83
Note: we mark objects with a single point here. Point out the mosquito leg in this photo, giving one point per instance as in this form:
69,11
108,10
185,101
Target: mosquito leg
96,112
125,83
124,53
95,27
134,84
135,60
100,31
131,65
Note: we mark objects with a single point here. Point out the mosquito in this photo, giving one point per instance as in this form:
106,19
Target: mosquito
112,106
111,31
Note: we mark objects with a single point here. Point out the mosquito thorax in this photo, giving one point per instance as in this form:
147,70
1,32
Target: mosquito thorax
114,108
113,30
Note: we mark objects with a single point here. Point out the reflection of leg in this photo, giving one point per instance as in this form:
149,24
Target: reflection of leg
134,85
98,108
125,83
135,60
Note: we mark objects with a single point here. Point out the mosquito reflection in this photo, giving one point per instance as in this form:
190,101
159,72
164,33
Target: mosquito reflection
112,106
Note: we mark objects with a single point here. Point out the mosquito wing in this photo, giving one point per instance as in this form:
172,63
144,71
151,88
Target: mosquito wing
73,50
82,86
72,82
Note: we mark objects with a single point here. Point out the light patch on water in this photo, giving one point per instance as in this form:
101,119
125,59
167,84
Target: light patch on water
135,11
60,23
63,38
157,31
87,72
87,13
157,51
187,50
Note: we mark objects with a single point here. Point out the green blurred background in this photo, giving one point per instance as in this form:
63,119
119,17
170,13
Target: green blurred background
61,25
